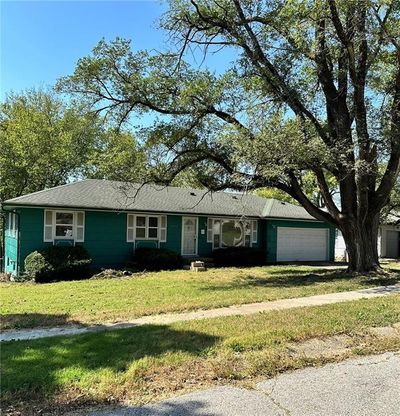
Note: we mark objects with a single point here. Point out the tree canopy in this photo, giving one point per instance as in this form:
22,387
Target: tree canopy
314,89
46,143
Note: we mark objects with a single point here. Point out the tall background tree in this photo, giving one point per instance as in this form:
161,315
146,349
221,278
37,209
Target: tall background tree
44,143
314,88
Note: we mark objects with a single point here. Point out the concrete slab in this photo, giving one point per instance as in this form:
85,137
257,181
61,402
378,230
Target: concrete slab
219,401
356,387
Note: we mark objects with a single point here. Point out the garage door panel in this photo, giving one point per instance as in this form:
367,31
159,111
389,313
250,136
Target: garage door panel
302,244
392,244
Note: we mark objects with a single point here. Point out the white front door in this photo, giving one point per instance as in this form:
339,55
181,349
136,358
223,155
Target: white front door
189,236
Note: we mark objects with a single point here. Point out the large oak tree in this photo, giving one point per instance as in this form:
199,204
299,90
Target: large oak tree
314,88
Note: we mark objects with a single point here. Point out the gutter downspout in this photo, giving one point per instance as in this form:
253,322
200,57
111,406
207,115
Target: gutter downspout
18,237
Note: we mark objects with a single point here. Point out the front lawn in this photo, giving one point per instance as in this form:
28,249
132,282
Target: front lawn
147,363
93,301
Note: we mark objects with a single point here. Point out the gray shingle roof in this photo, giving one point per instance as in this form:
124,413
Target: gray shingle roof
122,196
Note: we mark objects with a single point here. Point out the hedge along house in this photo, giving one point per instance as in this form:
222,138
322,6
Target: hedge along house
112,219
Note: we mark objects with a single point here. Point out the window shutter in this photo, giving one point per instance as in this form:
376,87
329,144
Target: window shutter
130,230
48,226
80,226
210,230
163,228
254,231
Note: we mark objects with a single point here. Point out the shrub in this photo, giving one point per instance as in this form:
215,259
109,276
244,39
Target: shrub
239,256
58,263
157,259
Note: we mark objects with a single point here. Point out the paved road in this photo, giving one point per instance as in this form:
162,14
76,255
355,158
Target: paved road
169,318
357,387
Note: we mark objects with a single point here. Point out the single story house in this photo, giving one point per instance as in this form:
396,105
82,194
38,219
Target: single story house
111,219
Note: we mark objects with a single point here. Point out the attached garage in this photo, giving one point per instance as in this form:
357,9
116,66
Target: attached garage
302,244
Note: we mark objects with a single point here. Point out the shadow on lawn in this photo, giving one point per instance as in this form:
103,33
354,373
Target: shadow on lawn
32,370
32,320
294,277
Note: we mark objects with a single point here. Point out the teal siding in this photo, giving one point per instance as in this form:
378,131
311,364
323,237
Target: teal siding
174,233
105,238
31,232
271,235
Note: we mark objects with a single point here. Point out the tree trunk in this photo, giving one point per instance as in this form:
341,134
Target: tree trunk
362,244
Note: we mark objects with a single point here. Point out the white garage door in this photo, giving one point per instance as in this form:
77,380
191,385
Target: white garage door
392,244
302,244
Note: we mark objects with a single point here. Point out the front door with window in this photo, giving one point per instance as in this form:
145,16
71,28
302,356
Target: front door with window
189,236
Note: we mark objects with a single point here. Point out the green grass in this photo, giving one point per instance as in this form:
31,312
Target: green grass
92,301
146,363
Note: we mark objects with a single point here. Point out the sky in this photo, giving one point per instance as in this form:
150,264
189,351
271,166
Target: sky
42,40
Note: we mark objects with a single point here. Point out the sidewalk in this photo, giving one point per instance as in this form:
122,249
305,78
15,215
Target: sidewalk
166,319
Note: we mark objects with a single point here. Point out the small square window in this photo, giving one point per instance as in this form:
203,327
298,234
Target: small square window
153,232
140,221
153,222
140,232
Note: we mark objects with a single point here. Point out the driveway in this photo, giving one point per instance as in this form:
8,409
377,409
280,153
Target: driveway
356,387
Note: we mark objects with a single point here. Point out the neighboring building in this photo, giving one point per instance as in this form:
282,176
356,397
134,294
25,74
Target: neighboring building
112,219
388,240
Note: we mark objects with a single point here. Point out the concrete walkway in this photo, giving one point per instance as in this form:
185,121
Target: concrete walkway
165,319
356,387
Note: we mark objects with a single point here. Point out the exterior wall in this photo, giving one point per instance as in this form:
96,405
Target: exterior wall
174,233
105,237
10,249
272,235
383,234
106,232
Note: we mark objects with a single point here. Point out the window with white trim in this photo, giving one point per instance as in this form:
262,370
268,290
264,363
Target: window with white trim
229,232
64,228
12,224
64,225
146,227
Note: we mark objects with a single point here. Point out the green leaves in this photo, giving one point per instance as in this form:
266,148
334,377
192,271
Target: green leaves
45,143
